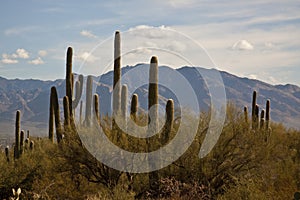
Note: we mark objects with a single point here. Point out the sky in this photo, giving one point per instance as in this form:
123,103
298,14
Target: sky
254,39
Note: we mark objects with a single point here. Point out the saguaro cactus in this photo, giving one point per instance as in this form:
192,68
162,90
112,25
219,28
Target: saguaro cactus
17,135
22,138
153,94
7,154
66,112
253,109
153,116
134,107
124,97
268,114
31,145
54,116
169,120
69,74
88,102
246,114
117,74
262,119
96,108
256,116
78,91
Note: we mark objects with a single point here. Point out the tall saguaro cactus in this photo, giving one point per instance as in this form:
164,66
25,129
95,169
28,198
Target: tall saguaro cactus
153,94
262,119
134,107
54,116
253,109
7,154
246,114
88,102
117,74
67,111
17,135
124,97
169,120
22,138
69,77
268,114
96,108
153,116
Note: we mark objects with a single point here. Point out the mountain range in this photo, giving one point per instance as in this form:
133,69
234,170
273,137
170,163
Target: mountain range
32,96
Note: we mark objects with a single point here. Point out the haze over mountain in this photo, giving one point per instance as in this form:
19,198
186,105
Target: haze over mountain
32,96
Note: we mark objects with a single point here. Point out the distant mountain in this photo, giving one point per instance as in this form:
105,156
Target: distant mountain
32,96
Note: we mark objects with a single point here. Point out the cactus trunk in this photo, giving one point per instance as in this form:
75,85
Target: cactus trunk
134,107
17,135
117,75
96,108
88,102
69,79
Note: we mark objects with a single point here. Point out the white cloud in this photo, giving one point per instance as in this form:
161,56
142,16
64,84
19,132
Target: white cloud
37,61
6,59
150,32
87,57
42,53
22,53
242,45
88,34
9,61
19,30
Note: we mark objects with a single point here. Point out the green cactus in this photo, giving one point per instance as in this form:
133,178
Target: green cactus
28,134
78,91
7,154
153,93
69,75
96,108
80,114
54,116
124,97
17,135
268,114
253,109
66,112
134,107
88,102
256,117
169,120
31,145
246,114
22,138
262,119
153,112
117,75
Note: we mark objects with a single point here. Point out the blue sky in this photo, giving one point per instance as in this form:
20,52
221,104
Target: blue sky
255,39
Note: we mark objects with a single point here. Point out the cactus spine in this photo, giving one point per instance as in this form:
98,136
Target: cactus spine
134,107
96,108
17,135
88,103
